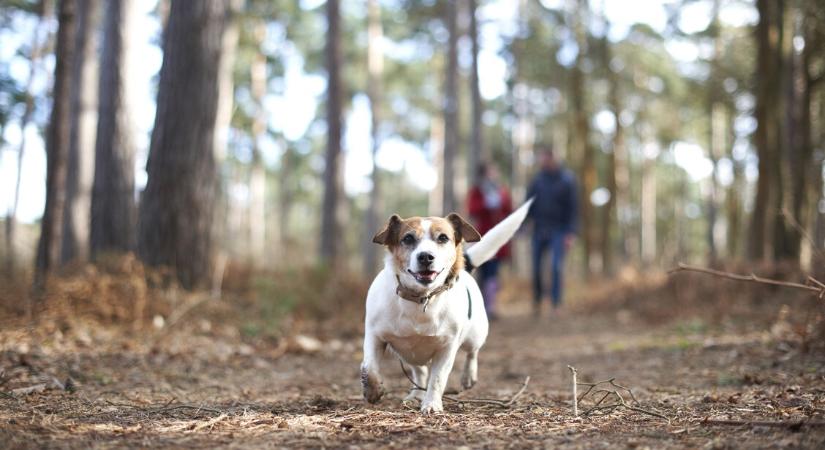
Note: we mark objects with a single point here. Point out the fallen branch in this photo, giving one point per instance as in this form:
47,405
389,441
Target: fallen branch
813,285
609,393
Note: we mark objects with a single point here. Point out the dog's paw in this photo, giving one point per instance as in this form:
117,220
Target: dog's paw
432,407
415,395
373,387
468,380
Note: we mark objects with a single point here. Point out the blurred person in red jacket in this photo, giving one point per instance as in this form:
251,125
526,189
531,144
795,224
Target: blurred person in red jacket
488,203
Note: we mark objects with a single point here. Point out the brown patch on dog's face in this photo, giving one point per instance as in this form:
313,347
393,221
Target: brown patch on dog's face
428,250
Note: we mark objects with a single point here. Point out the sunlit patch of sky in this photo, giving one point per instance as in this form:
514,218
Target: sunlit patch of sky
293,108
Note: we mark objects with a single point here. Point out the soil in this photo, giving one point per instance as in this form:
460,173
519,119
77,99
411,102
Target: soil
717,385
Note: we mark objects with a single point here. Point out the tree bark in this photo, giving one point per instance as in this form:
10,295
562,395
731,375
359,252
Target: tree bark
375,73
450,109
176,211
330,228
614,161
57,146
477,150
35,53
81,160
766,137
257,174
582,147
113,195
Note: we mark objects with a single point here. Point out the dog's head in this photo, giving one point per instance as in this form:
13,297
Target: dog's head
426,250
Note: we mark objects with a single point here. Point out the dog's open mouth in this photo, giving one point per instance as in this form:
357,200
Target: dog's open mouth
424,276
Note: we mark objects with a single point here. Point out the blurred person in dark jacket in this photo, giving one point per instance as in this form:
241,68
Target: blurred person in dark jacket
488,203
554,217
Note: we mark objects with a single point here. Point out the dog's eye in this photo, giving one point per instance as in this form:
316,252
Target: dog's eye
443,238
408,240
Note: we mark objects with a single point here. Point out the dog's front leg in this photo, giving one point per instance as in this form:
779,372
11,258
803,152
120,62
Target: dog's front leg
442,365
371,380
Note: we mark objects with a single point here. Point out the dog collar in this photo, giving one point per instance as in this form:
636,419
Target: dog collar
410,295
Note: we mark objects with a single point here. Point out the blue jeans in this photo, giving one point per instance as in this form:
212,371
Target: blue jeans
541,243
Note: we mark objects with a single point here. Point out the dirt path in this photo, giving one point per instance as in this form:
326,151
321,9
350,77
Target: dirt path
198,390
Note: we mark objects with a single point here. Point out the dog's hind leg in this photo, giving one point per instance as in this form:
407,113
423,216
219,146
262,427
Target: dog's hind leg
371,380
470,375
419,376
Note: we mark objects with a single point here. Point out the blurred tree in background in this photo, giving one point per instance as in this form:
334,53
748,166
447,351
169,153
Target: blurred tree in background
696,139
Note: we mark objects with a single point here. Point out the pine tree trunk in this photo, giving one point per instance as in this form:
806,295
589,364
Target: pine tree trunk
766,137
77,213
450,109
176,210
330,228
582,147
113,195
35,53
477,150
57,146
375,73
257,175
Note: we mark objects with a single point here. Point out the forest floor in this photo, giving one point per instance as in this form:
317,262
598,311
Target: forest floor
713,383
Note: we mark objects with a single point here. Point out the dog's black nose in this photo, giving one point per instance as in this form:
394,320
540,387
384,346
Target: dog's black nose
425,258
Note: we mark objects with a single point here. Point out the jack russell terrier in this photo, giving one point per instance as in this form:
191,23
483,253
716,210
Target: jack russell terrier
425,306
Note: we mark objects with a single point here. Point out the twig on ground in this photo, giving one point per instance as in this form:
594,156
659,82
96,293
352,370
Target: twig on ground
575,390
485,401
615,394
765,423
29,390
812,286
209,423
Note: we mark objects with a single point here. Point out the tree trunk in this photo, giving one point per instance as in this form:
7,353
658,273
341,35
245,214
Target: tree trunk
57,146
257,175
477,150
375,73
582,147
615,159
113,196
35,53
77,213
450,109
648,209
330,228
766,137
176,211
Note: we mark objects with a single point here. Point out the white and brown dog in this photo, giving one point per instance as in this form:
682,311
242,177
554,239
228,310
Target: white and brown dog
424,305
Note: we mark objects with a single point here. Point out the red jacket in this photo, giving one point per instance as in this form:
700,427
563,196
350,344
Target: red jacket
485,218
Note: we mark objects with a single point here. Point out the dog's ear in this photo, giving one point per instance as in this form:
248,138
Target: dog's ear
463,230
389,234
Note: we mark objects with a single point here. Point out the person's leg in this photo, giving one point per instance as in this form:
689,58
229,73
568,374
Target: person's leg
489,286
559,250
538,252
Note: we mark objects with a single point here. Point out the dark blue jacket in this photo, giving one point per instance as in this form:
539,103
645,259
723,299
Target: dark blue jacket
555,208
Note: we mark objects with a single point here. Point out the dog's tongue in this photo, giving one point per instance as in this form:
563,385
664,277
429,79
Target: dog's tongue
427,275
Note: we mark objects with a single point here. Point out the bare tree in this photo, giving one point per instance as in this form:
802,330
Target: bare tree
35,53
76,214
113,195
257,175
450,109
375,72
477,150
332,190
766,137
176,211
57,145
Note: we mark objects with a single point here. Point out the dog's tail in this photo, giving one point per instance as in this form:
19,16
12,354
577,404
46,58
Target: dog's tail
494,239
